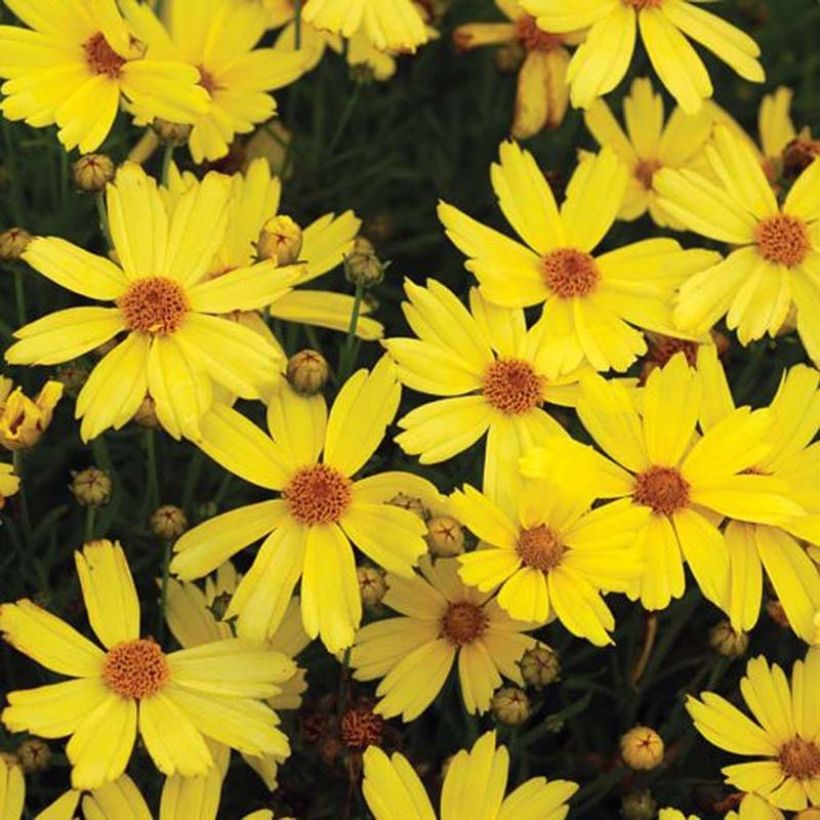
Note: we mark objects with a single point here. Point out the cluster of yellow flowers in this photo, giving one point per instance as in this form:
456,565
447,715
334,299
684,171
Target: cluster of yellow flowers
677,476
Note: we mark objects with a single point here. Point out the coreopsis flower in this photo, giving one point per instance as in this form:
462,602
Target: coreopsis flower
392,788
75,64
12,790
590,303
23,420
792,458
649,145
550,555
543,95
786,734
177,343
310,461
388,24
173,700
776,263
236,75
443,621
9,483
688,481
603,60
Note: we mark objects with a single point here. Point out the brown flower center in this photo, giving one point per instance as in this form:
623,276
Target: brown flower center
645,172
540,548
783,239
101,58
513,387
155,304
640,5
464,623
207,80
568,272
534,38
360,728
800,759
318,495
662,488
136,669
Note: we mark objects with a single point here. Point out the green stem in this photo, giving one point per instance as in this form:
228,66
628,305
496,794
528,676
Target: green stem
103,216
89,523
341,699
298,24
25,518
20,295
151,469
167,159
163,591
347,358
345,118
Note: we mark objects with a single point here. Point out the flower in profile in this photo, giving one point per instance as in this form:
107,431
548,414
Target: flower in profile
9,483
173,700
603,60
392,788
12,789
236,76
543,95
177,343
310,461
23,420
648,145
550,555
776,262
442,621
75,64
784,735
592,304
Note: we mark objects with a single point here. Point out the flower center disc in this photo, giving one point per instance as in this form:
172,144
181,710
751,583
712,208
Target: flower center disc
783,239
101,58
136,669
464,623
534,38
662,488
318,495
540,548
568,272
512,386
800,759
155,304
360,728
645,172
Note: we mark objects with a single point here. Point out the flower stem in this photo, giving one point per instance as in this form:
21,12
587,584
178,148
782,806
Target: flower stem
25,518
89,524
348,355
151,469
103,216
20,295
297,20
163,591
167,159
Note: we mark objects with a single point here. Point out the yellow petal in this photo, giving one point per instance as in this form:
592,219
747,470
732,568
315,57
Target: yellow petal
248,288
297,424
392,789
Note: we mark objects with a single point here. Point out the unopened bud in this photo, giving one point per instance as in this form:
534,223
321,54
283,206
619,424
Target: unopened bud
146,415
34,755
410,502
511,706
91,487
540,666
445,536
638,806
642,748
171,133
280,239
168,522
725,641
308,372
372,585
363,267
93,172
72,376
12,244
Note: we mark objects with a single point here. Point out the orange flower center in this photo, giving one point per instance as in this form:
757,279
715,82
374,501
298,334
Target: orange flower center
464,623
640,5
136,669
540,548
207,80
783,239
800,759
662,488
318,495
101,58
645,172
568,273
155,304
534,38
513,387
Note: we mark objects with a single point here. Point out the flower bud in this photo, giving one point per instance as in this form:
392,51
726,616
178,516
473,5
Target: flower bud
308,372
92,172
91,487
725,641
445,536
372,585
168,522
34,755
363,267
72,376
13,243
511,706
171,133
642,748
409,502
146,415
540,666
638,806
280,239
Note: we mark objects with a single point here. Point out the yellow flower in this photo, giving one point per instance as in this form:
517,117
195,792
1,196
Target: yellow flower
388,24
589,302
792,458
786,734
443,620
543,95
23,420
176,699
12,790
78,61
688,481
9,483
778,261
648,145
321,510
474,786
236,76
550,555
175,348
603,60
